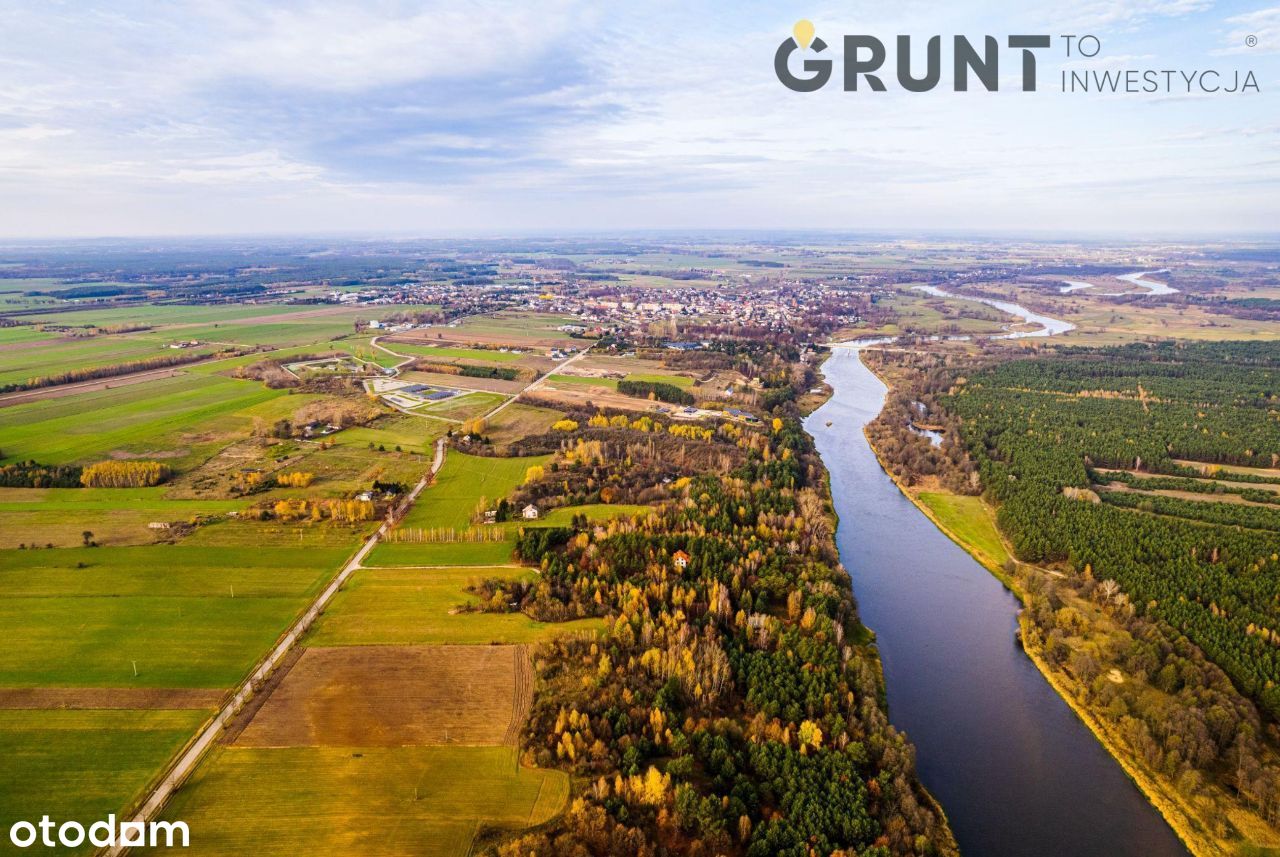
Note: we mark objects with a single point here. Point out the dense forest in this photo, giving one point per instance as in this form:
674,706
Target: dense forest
733,705
1036,427
1137,487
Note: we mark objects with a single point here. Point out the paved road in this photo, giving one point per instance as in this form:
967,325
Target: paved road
395,370
537,382
188,761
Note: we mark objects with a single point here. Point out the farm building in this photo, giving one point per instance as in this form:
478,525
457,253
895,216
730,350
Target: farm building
530,512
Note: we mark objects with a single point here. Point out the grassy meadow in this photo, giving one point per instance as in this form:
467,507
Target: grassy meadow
462,483
971,522
183,419
408,606
83,765
388,801
82,617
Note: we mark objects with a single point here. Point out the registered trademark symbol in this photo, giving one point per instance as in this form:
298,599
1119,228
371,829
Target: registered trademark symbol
1250,41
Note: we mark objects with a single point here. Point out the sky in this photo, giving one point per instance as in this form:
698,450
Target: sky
485,118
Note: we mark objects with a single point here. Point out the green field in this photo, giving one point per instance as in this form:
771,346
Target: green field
583,380
323,800
25,333
115,516
83,765
362,346
440,553
461,483
410,433
563,517
171,314
402,554
464,407
412,606
678,380
44,359
450,354
520,323
183,415
969,519
169,608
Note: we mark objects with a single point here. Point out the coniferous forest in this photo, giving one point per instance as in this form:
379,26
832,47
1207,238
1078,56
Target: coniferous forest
1210,569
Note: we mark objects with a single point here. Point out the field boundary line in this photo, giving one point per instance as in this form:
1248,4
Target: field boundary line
443,567
194,752
539,380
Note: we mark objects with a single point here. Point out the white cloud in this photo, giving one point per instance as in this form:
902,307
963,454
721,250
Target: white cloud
1104,14
351,46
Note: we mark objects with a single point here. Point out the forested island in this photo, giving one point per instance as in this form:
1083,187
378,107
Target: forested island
1136,487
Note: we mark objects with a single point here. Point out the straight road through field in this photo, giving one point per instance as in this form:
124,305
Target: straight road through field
538,381
186,763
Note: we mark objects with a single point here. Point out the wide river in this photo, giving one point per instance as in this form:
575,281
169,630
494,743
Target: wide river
1016,772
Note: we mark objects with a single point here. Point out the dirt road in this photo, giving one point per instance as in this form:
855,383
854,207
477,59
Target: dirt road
190,758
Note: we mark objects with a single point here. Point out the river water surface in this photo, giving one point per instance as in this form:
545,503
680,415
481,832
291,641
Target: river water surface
1016,772
1048,326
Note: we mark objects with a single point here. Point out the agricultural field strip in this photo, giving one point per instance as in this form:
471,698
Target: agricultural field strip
20,396
56,390
395,696
538,381
187,762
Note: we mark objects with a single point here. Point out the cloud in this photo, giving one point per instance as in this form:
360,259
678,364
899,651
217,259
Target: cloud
349,47
485,115
1112,14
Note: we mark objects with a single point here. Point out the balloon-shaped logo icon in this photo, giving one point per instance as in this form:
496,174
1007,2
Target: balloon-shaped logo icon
803,32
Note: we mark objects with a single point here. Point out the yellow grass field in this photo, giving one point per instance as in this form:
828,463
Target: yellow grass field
394,696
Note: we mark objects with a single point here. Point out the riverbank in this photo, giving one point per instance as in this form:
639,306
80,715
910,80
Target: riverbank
1183,818
1015,768
867,637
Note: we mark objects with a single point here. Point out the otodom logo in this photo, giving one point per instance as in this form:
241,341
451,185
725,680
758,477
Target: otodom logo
865,55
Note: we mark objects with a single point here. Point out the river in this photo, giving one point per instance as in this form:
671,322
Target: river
1016,772
1048,326
1152,286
